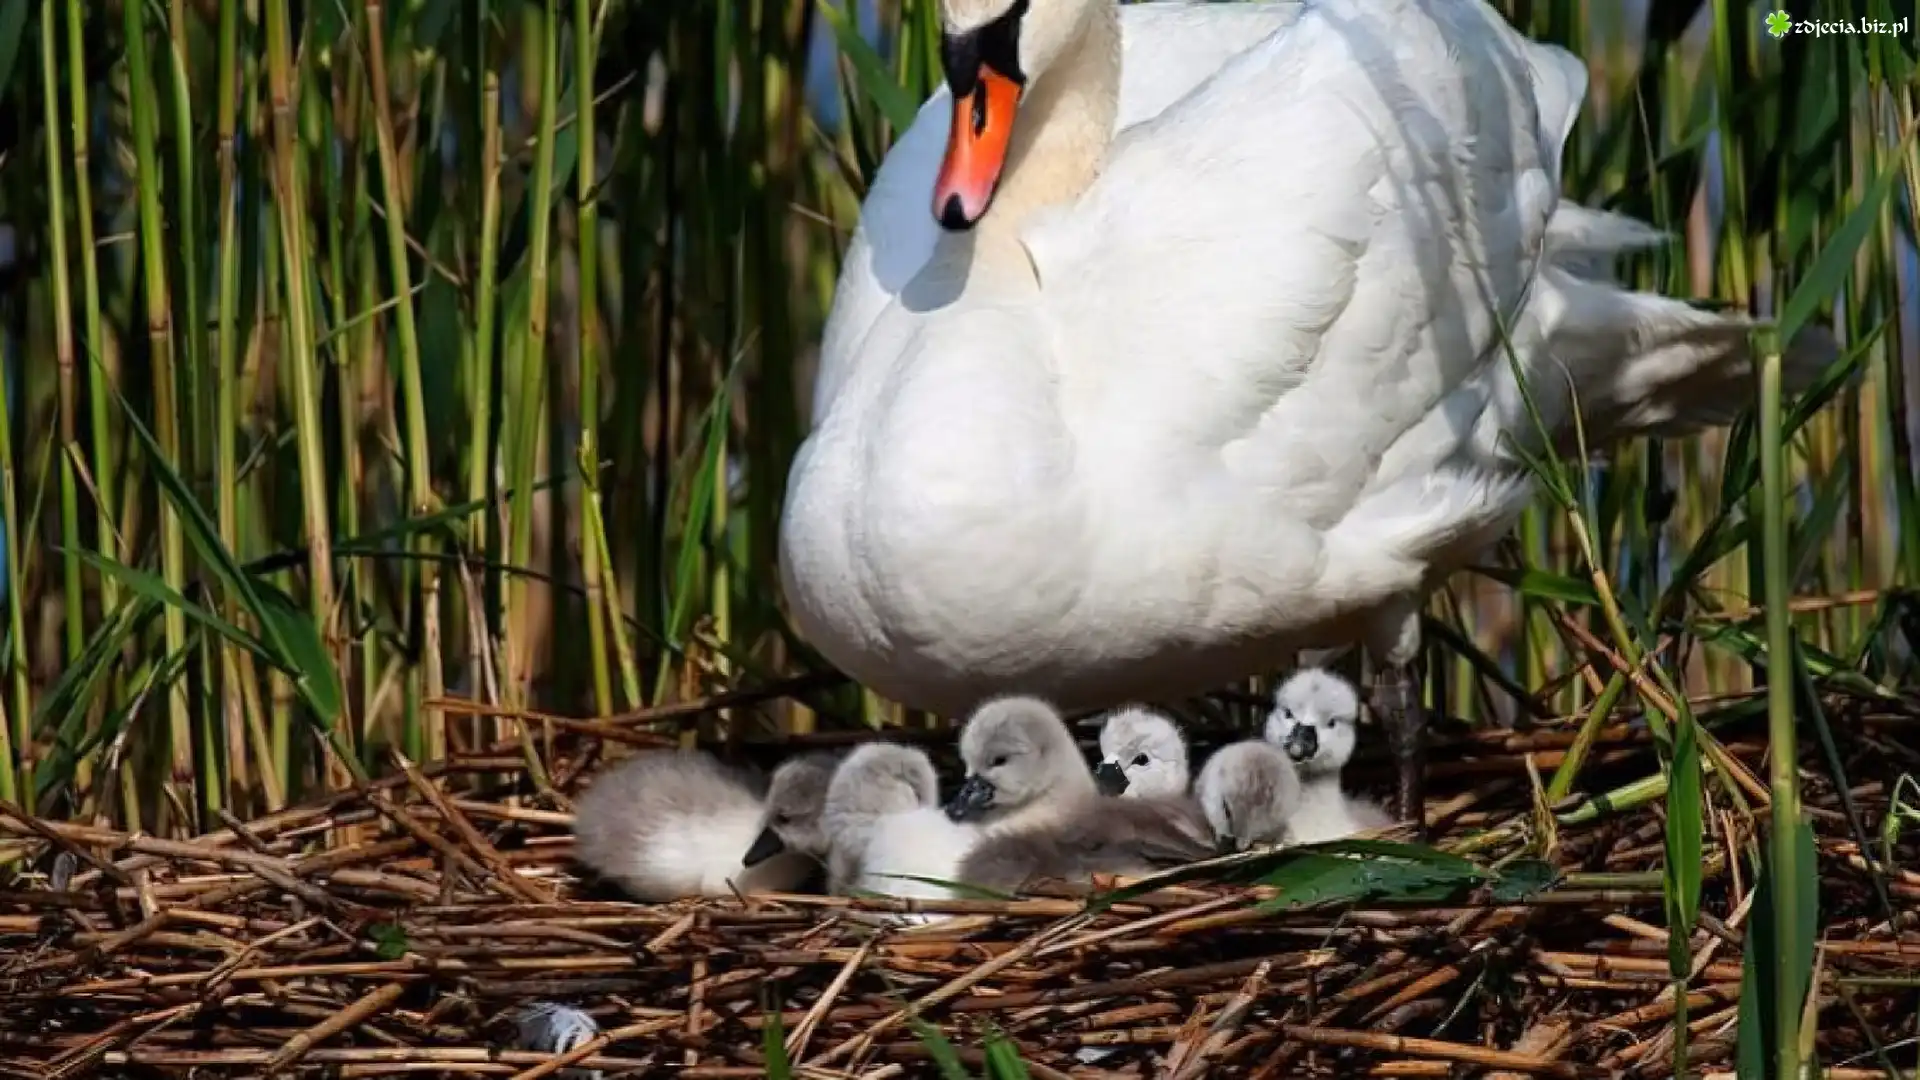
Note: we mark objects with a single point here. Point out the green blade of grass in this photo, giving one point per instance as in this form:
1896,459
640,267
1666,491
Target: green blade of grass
886,94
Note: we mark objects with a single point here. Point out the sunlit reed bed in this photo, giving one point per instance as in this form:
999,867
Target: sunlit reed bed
323,440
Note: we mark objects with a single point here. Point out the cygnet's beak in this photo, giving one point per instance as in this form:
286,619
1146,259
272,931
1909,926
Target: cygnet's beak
765,846
1302,742
973,799
1110,778
983,72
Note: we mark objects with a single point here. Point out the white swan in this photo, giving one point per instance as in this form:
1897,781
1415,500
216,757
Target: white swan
1231,384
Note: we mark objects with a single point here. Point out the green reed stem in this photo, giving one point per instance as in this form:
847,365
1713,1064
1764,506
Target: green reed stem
103,472
592,539
352,343
233,708
186,203
16,744
290,203
71,454
483,455
103,476
166,418
622,647
210,760
526,430
62,337
426,678
1783,756
1563,777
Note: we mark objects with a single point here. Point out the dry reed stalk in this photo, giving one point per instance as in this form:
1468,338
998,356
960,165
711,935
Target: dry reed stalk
392,955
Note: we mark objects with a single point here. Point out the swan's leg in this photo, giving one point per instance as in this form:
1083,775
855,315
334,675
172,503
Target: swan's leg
1396,701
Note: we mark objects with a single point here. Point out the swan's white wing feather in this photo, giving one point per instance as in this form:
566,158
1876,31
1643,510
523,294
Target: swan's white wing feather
1371,185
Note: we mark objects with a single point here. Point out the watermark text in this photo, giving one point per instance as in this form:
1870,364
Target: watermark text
1779,24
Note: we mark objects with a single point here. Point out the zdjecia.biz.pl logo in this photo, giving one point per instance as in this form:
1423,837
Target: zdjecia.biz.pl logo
1779,24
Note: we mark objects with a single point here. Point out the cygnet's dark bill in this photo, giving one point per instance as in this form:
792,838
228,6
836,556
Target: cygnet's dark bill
765,846
1302,742
1110,778
974,798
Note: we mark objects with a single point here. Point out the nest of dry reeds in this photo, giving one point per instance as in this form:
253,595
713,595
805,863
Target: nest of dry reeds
402,928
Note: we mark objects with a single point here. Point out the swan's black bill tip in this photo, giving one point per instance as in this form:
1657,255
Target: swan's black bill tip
1302,743
1110,778
972,801
953,216
765,846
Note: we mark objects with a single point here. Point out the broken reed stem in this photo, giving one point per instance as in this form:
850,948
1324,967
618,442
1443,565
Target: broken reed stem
249,921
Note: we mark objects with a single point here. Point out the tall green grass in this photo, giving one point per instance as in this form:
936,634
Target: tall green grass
364,351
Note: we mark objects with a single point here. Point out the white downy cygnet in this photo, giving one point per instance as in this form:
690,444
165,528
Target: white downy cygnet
1142,755
1250,792
1315,717
668,824
1028,785
885,826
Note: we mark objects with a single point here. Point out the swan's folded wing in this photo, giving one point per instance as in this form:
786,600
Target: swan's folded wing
1314,247
1168,47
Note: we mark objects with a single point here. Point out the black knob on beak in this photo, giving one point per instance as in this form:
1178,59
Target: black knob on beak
765,846
1302,742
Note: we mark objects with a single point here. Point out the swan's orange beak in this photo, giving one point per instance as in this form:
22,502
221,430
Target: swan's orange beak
976,149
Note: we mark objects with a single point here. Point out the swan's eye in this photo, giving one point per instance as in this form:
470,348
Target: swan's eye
1140,761
783,819
998,762
1286,714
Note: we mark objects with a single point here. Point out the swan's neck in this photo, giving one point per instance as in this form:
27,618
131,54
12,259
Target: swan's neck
1321,785
851,835
1063,129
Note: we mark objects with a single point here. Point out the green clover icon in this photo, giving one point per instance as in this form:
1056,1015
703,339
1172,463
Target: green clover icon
1778,23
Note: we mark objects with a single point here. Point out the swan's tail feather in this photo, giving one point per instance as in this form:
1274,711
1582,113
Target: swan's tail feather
1586,242
1631,363
1649,365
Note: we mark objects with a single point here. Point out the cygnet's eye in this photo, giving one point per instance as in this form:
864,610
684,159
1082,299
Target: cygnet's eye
997,762
783,819
1140,761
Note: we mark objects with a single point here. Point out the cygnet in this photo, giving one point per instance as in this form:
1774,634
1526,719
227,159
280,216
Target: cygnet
667,824
1021,763
885,826
1027,783
1315,714
796,798
1249,792
1142,755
